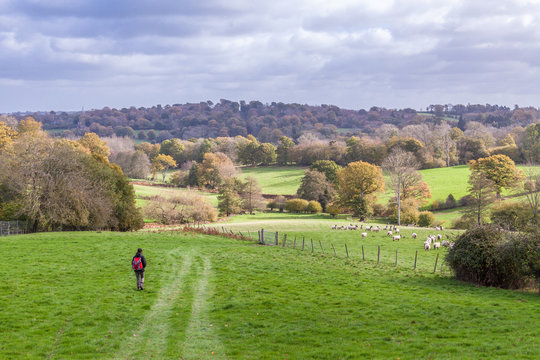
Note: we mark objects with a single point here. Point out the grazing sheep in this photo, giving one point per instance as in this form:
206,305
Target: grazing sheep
436,245
368,228
376,229
389,233
396,230
451,245
413,235
396,237
364,234
385,227
439,236
445,243
334,227
427,246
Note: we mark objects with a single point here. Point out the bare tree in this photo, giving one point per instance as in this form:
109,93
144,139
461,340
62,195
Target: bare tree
532,188
251,195
402,168
482,194
446,142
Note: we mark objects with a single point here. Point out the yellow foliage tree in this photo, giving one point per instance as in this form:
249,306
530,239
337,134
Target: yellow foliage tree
162,163
96,146
357,183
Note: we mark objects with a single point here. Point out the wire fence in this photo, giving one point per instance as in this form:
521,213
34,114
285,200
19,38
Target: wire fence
13,228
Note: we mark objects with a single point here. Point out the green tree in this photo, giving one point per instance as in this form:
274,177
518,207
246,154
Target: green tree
283,151
315,186
328,167
228,200
481,192
251,195
173,148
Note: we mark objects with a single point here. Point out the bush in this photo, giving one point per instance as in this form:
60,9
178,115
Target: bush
314,207
511,215
296,205
426,218
333,210
464,222
482,256
409,212
435,205
450,202
379,210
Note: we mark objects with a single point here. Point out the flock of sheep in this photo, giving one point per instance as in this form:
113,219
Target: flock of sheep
432,241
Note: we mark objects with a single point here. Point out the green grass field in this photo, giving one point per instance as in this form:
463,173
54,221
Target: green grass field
279,180
210,297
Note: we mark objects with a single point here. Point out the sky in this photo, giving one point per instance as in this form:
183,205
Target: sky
74,54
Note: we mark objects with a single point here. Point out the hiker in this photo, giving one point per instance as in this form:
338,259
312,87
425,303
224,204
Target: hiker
138,264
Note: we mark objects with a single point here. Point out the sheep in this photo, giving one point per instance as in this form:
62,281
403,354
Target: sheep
385,227
396,237
436,245
334,227
413,235
427,246
445,243
439,236
368,227
451,245
364,234
429,239
389,233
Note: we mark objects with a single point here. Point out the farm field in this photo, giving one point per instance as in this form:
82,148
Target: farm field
210,297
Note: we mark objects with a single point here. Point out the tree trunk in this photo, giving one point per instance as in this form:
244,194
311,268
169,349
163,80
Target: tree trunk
399,204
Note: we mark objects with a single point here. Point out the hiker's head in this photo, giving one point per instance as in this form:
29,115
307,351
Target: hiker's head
139,250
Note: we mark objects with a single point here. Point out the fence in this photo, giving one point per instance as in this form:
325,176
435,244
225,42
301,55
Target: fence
12,228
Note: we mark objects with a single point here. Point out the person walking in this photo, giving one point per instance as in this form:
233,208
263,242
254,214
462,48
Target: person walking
138,264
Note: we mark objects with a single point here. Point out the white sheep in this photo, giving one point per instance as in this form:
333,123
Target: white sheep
396,237
389,233
436,245
334,227
445,243
396,230
439,236
376,229
427,246
413,235
364,234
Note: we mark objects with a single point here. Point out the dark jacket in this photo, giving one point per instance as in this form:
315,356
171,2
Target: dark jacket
143,260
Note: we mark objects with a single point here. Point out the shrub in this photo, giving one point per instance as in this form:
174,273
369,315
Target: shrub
314,207
450,202
296,205
333,210
426,218
409,212
379,210
482,256
464,222
435,205
511,215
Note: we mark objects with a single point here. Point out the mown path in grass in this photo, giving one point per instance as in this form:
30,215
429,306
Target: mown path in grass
72,296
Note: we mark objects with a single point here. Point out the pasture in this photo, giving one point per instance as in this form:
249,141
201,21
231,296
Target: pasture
211,297
278,180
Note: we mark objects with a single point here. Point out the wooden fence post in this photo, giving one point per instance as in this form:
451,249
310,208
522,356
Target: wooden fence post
294,245
378,253
303,240
415,257
363,257
396,259
284,240
312,245
333,248
277,238
346,250
436,259
321,246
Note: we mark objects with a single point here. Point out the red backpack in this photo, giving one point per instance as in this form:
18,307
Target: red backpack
136,264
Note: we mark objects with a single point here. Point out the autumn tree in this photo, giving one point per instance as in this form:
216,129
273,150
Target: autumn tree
500,169
531,185
315,186
7,135
251,195
173,148
402,167
358,182
162,163
95,145
214,169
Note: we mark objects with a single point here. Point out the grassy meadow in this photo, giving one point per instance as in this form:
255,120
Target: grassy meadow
210,297
279,180
167,192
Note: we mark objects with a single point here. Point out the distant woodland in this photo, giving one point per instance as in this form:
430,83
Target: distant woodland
268,122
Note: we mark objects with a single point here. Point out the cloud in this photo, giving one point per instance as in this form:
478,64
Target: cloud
352,53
